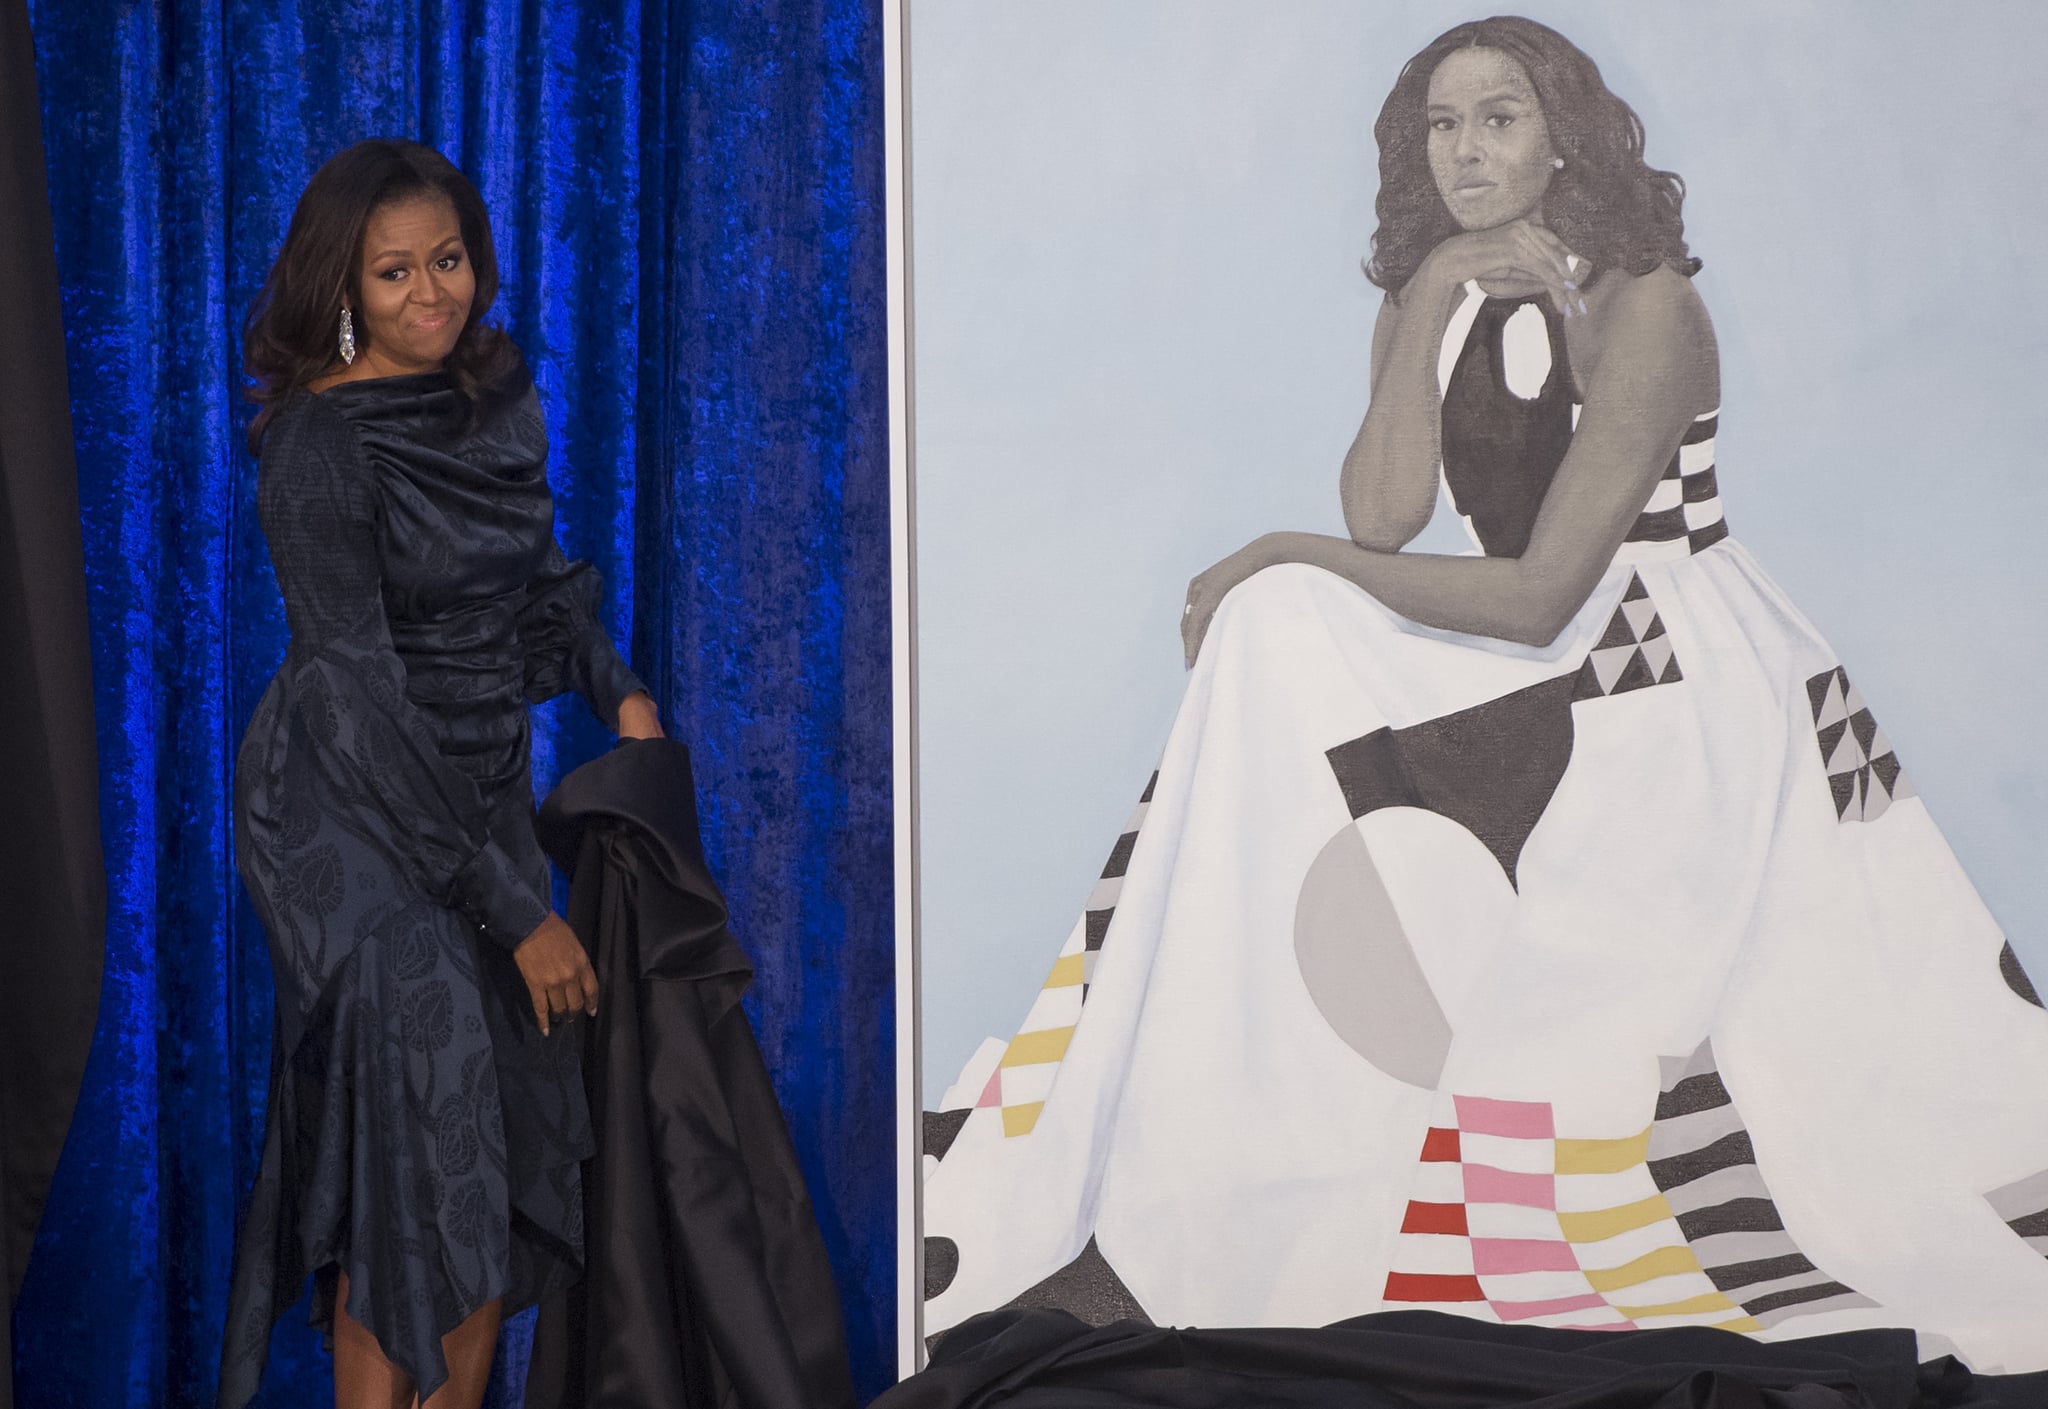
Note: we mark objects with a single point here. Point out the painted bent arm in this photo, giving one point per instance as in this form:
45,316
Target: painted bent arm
1656,373
1388,486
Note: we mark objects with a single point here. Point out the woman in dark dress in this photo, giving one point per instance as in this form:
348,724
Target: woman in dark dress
426,1115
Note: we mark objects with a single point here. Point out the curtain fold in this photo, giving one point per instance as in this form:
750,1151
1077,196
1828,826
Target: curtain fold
51,891
687,200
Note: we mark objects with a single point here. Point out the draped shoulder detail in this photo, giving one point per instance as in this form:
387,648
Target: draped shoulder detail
345,690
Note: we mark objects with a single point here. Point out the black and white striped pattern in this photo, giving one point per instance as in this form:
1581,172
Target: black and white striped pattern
1102,900
2023,1205
1686,504
1701,1158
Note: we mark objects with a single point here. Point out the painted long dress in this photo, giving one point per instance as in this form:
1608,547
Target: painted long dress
1619,982
422,1136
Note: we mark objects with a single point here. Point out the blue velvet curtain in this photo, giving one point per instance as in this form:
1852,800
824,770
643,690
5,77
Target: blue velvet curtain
687,199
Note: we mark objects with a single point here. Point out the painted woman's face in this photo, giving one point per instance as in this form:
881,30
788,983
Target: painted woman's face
417,285
1489,149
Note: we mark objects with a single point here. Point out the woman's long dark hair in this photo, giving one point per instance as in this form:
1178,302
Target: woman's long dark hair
293,328
1607,204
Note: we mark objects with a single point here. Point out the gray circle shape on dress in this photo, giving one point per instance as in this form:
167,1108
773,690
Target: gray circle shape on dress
1361,970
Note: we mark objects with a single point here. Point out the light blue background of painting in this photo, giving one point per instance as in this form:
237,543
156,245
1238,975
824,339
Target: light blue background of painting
1141,339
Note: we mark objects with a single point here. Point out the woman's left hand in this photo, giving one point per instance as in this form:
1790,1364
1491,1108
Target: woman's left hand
638,718
1210,586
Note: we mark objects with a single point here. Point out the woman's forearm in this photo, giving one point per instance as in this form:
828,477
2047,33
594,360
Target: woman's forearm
1510,599
638,717
1389,484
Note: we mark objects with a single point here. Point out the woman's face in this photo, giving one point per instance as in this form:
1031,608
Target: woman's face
417,285
1489,149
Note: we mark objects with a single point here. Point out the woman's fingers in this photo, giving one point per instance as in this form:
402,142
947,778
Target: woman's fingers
1553,248
575,993
1545,252
559,978
1550,264
564,996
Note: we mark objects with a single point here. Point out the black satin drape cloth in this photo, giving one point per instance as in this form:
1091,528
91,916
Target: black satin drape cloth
1427,1360
705,1280
52,892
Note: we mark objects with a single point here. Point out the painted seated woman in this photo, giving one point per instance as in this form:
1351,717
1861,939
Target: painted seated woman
1547,934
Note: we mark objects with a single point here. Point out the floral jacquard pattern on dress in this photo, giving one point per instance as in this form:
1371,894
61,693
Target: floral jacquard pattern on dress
422,1135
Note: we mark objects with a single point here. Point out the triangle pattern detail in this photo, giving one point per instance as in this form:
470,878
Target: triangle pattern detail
1657,655
1862,770
1635,675
1832,708
1609,665
1633,653
1640,614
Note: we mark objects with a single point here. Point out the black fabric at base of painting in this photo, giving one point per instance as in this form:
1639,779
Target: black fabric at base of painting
1412,1359
706,1281
52,890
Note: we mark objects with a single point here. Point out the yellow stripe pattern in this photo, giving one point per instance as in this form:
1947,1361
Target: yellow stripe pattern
1603,1156
1604,1223
1030,1048
1018,1120
1664,1262
1691,1306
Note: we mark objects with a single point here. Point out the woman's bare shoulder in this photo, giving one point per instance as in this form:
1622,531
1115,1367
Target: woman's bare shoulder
1658,308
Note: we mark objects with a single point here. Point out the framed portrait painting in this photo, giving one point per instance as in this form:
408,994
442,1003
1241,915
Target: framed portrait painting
1467,664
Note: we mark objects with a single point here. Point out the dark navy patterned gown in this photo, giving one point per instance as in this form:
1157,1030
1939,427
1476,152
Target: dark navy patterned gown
422,1135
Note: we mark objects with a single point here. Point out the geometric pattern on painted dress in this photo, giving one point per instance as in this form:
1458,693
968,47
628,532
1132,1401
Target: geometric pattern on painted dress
1510,1221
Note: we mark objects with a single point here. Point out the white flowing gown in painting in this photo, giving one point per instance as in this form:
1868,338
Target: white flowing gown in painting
1618,982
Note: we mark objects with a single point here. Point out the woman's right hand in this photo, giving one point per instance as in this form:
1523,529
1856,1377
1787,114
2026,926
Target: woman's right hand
1517,258
558,975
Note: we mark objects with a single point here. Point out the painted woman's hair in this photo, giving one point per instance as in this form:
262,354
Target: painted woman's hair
1607,204
291,335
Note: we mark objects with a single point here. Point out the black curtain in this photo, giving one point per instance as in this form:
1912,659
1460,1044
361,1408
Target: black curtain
52,890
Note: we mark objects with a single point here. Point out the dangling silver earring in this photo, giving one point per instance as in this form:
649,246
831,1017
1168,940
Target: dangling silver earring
1556,164
348,336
